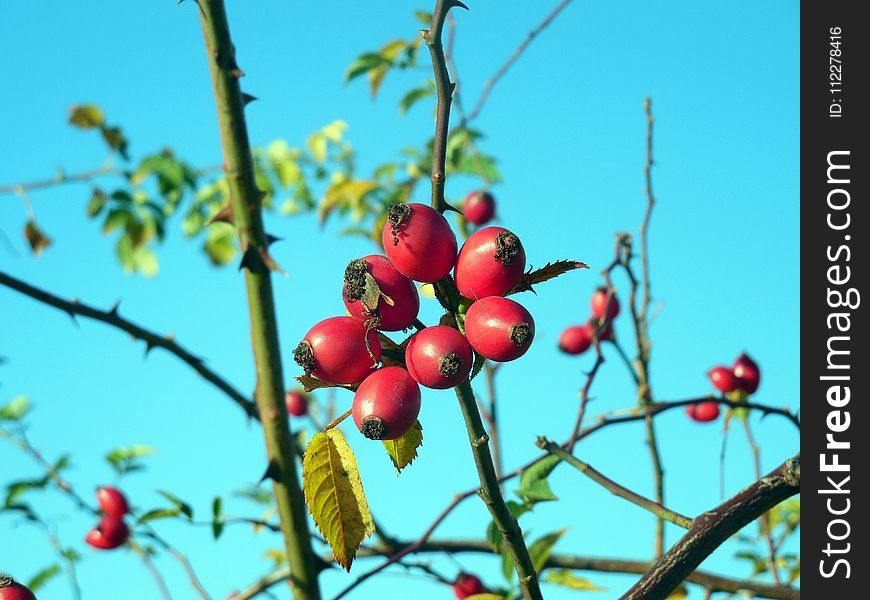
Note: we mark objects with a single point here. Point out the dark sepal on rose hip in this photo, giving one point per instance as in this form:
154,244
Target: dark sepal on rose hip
304,357
520,334
5,580
508,246
396,214
450,364
373,428
355,279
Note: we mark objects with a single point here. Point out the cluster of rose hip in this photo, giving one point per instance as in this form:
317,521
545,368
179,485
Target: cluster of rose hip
380,295
736,382
577,339
111,531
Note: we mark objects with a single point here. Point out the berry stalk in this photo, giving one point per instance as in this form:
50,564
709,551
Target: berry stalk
245,201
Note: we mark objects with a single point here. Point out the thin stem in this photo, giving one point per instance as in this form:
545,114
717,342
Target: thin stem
763,521
613,487
152,340
487,87
710,529
489,371
625,359
183,561
490,492
152,568
246,203
60,179
704,579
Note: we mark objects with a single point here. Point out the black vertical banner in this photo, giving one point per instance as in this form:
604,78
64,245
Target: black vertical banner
835,170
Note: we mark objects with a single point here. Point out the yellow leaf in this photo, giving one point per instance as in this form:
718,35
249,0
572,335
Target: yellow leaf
566,578
679,594
485,597
334,494
403,451
36,238
86,116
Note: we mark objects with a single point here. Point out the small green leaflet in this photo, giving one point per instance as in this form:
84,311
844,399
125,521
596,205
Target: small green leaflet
534,486
566,578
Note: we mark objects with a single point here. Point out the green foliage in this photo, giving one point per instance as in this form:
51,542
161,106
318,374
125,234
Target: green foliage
568,579
217,520
42,577
15,410
178,504
126,459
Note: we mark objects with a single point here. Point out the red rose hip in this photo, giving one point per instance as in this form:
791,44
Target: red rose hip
439,357
575,339
748,374
599,304
297,403
467,585
335,350
419,242
703,412
723,379
109,534
375,292
490,263
112,501
479,207
386,404
12,590
499,329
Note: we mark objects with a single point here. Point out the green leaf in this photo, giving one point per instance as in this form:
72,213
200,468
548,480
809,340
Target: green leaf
158,513
96,203
256,495
125,459
334,494
533,482
363,64
424,17
86,116
115,219
220,244
217,522
146,261
403,451
479,361
180,504
548,271
493,535
15,410
36,238
566,578
345,195
41,578
541,548
310,384
115,140
415,95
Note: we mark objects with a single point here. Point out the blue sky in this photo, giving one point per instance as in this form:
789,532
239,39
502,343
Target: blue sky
568,128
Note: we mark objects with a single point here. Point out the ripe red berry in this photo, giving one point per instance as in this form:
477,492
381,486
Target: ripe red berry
748,374
419,242
12,590
723,379
112,501
490,263
109,534
386,404
479,208
297,403
703,412
575,339
499,329
599,304
467,585
438,357
335,350
394,307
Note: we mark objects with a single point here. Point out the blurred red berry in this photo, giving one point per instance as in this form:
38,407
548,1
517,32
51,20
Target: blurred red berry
703,412
748,374
109,534
599,304
479,207
723,379
297,403
112,501
467,585
575,339
12,590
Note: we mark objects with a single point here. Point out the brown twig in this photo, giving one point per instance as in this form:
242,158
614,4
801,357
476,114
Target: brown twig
764,520
152,568
152,340
613,487
490,83
710,529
